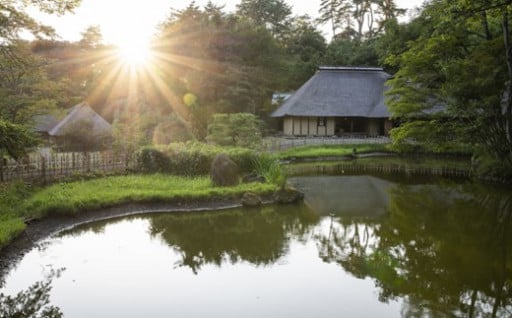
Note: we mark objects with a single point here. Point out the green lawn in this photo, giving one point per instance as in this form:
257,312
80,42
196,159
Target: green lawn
19,201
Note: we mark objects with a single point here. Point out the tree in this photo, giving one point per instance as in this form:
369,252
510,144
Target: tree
217,63
14,19
91,37
307,45
14,139
240,130
358,19
338,13
462,64
273,14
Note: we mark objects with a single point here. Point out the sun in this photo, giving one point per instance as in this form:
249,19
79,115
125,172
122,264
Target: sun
134,52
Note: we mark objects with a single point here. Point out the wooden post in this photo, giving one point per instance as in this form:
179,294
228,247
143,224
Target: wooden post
1,166
43,169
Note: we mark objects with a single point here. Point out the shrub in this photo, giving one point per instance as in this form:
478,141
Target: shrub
195,158
239,130
151,160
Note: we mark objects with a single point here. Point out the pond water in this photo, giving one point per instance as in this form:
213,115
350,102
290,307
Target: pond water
360,246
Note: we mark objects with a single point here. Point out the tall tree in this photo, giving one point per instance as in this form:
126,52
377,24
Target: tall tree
307,47
273,14
462,61
225,63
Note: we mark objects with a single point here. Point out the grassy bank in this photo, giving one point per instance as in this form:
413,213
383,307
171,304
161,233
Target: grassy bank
331,150
19,202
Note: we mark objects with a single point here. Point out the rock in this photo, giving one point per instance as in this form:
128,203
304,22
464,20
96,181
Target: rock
251,199
288,195
253,178
224,171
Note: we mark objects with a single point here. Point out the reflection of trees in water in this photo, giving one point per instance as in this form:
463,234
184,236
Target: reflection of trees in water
348,243
32,302
259,237
446,249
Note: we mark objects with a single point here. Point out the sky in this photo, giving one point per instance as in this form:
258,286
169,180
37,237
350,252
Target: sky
122,20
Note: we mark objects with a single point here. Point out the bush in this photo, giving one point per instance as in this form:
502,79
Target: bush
195,158
191,159
239,130
152,160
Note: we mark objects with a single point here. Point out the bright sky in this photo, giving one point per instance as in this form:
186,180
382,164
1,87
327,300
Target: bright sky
125,20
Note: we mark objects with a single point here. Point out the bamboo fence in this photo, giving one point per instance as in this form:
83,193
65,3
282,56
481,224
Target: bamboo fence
47,168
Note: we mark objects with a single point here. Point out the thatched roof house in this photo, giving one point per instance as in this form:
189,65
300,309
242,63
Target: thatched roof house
338,100
82,129
43,124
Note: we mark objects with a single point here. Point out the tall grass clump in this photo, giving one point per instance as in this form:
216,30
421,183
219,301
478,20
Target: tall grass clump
268,166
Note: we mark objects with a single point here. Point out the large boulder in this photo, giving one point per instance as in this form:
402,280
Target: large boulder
288,195
251,199
224,171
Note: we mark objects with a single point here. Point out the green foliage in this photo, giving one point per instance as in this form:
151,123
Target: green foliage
11,223
151,160
190,159
351,52
14,18
171,129
268,166
488,168
457,63
273,14
14,139
239,130
430,136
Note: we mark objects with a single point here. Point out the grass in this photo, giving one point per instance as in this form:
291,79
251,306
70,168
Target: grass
20,202
11,224
331,150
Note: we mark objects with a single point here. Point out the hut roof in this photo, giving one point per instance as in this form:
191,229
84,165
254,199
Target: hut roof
44,123
340,92
79,115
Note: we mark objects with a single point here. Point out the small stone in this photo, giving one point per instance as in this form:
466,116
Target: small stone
288,195
251,199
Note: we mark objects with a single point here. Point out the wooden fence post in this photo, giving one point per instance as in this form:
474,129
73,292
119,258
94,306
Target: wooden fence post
43,169
1,166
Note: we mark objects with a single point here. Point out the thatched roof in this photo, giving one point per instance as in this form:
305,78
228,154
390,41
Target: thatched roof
340,92
82,116
44,123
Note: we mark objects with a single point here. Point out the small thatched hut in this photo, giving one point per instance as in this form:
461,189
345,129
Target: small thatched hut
82,129
338,101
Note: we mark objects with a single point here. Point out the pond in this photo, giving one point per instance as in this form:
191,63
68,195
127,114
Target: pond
360,246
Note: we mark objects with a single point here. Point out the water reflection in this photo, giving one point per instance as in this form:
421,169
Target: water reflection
259,237
32,302
436,249
345,195
445,249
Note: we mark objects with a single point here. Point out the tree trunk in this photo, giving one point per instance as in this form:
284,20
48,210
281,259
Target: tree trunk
507,104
